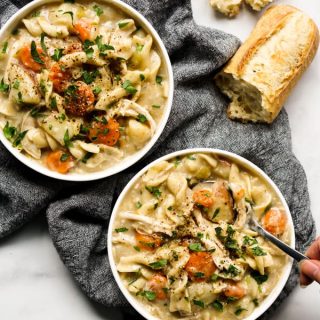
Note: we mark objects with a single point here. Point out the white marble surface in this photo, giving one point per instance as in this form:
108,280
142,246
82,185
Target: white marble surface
34,284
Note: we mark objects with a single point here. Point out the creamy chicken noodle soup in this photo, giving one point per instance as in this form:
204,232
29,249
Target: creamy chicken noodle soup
83,86
183,248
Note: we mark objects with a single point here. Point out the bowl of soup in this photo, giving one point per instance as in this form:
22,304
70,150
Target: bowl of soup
86,87
179,242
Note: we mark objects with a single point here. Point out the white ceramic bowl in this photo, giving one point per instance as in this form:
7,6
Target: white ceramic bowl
268,301
128,161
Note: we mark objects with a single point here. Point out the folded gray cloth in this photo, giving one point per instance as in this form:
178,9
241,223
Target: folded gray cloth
78,213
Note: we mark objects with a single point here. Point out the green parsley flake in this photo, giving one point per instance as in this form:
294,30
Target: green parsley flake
35,54
156,106
141,118
158,264
64,157
122,24
150,295
216,304
97,10
5,47
258,251
123,229
158,79
57,55
129,87
3,86
67,140
198,303
195,247
154,191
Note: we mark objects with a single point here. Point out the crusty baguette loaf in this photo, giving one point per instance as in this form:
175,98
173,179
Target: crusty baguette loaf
262,73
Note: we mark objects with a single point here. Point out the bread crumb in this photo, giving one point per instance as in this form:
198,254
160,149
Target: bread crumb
229,8
257,5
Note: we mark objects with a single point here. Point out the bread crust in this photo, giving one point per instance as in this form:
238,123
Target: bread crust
273,20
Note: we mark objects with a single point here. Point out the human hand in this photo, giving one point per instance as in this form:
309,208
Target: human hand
310,269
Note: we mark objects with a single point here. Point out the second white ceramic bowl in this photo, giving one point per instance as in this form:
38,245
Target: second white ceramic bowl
267,302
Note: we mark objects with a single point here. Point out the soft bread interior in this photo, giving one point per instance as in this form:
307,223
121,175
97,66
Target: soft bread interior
244,97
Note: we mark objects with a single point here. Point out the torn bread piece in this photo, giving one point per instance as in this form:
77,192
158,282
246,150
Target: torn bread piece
258,5
264,70
229,8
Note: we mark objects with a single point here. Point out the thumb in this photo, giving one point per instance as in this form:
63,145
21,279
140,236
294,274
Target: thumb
311,269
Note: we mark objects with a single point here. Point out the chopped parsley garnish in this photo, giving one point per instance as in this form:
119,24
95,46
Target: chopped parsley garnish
129,87
158,79
5,47
102,47
43,45
17,141
233,270
260,278
90,76
255,302
57,55
123,229
249,241
150,295
96,90
156,106
195,247
191,157
71,91
9,132
249,201
16,84
43,87
142,77
258,251
71,14
170,208
86,157
216,212
138,205
53,103
155,191
98,10
141,118
198,303
67,140
136,248
4,87
216,304
35,14
239,311
199,235
199,275
35,54
122,24
268,207
64,157
139,47
214,277
35,112
89,52
158,264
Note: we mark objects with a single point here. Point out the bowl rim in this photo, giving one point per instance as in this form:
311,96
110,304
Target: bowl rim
269,300
129,160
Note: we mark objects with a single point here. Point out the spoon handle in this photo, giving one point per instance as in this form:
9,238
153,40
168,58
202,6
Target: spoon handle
298,256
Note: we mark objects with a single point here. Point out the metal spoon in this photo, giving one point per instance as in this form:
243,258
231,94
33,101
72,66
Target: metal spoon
298,256
255,226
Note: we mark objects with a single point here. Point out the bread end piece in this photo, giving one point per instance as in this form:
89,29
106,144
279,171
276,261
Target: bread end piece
262,73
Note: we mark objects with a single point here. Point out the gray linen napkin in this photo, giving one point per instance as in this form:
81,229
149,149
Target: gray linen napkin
78,214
